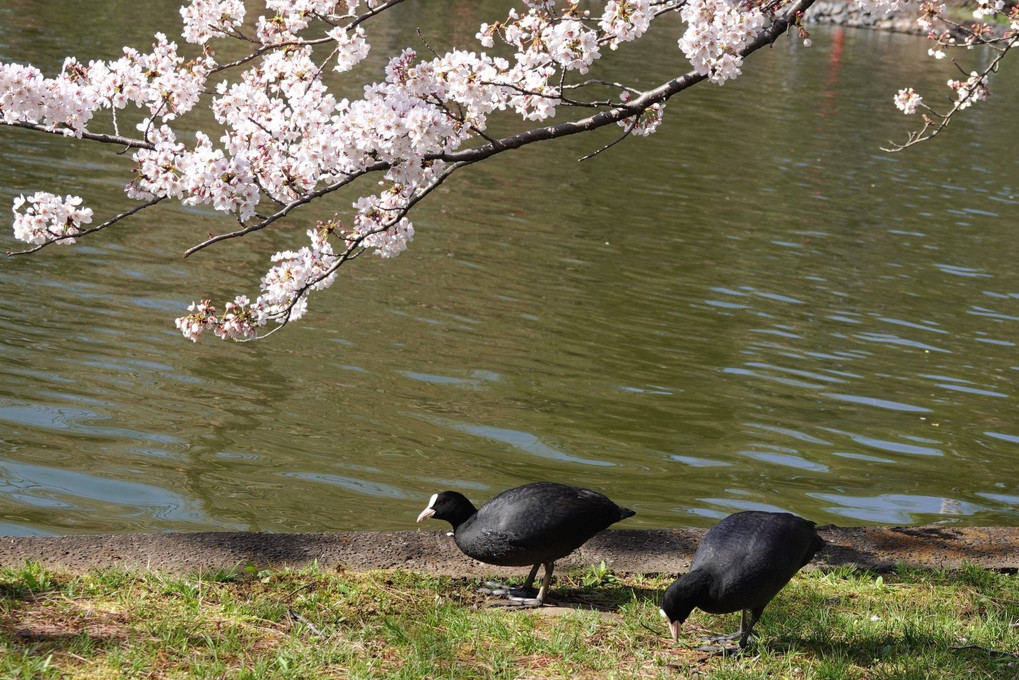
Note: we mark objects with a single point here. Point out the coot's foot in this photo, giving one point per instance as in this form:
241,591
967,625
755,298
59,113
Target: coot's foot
724,638
516,597
721,650
724,649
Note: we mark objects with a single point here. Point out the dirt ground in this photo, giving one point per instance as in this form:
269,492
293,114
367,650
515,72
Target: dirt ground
658,551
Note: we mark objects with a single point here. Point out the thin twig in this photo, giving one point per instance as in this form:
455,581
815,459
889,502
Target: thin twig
626,133
370,14
311,626
112,220
288,208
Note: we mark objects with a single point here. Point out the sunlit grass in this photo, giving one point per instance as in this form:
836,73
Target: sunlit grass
316,623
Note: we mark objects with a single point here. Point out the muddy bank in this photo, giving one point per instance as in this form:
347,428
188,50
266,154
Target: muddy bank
629,551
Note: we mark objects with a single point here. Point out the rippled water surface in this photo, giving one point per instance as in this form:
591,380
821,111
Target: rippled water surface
755,308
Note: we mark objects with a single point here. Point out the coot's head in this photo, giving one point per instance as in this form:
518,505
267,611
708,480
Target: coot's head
450,506
680,599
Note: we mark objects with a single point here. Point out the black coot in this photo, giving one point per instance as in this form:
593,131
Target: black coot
740,565
534,524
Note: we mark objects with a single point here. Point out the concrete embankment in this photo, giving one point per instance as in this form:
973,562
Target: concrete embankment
657,551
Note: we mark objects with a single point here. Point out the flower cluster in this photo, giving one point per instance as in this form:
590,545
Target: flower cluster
647,122
907,100
625,20
351,47
205,19
969,91
987,8
201,318
930,12
161,81
47,217
28,96
716,33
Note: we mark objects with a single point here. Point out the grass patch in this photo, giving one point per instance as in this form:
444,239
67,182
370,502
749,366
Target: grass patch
843,624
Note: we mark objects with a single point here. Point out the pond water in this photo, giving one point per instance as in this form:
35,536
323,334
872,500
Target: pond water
754,308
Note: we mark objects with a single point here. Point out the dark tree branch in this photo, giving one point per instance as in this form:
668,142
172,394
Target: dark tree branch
632,108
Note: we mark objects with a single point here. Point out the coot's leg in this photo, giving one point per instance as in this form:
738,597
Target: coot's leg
529,583
546,582
526,593
745,627
524,597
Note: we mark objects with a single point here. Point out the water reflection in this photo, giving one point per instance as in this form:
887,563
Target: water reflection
755,309
901,509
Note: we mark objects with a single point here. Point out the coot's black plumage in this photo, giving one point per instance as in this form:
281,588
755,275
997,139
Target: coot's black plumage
740,565
534,524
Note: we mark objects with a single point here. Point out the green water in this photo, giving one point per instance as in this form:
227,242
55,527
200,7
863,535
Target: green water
754,308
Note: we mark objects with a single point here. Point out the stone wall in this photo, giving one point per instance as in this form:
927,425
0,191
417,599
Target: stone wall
842,13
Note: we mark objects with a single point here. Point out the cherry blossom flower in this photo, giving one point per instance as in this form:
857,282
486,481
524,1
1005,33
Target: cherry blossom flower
907,100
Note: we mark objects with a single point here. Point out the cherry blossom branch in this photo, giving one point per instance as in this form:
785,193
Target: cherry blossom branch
632,108
971,90
515,141
269,47
285,137
374,12
355,247
287,209
65,131
85,232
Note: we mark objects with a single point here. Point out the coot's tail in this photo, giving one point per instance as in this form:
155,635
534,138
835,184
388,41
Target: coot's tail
817,544
625,512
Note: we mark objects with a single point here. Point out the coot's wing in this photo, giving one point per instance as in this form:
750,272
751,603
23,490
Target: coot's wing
544,520
752,555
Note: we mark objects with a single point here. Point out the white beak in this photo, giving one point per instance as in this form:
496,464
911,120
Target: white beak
673,625
429,510
425,514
